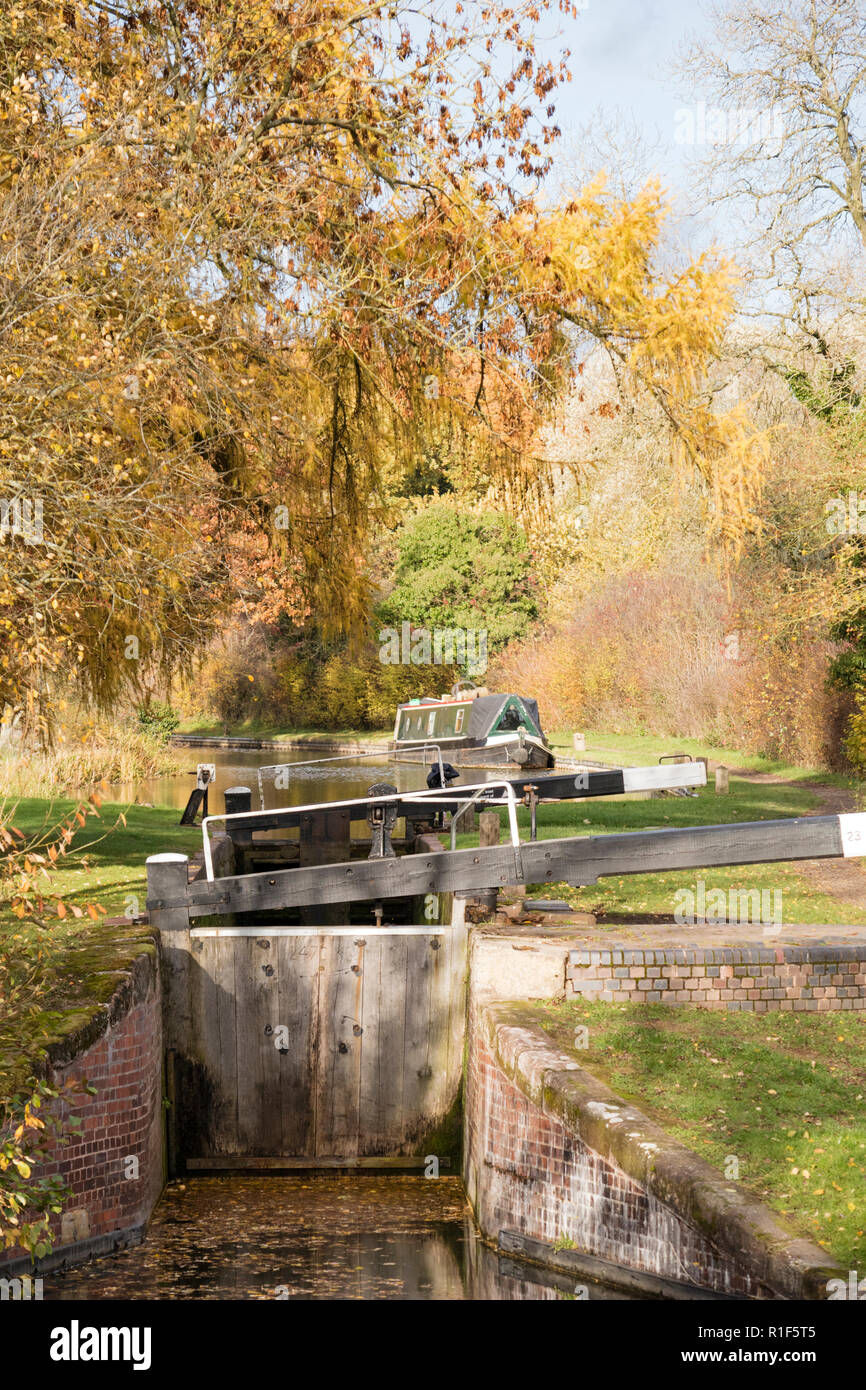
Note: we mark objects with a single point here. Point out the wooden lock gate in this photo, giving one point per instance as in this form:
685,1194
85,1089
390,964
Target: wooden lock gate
328,1044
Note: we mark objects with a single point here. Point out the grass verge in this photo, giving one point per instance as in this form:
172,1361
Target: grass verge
642,748
782,1094
251,728
52,975
648,897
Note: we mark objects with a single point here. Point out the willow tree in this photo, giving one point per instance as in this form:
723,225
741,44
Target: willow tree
251,255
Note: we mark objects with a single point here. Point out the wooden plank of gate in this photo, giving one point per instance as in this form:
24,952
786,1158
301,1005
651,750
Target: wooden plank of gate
340,1044
417,994
413,875
699,846
438,1019
226,1057
580,860
257,1002
298,971
381,1098
212,991
272,930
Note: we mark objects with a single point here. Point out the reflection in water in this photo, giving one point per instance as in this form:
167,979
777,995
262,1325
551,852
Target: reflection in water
312,1237
333,781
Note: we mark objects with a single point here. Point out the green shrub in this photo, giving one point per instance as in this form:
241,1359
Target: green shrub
458,569
158,720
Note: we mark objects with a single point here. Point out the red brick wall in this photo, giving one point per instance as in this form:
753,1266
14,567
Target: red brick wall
526,1172
122,1121
553,1155
754,979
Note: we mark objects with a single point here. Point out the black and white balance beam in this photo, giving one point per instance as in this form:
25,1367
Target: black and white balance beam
578,860
547,786
559,786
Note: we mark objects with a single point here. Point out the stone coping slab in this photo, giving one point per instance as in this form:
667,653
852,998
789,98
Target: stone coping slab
670,936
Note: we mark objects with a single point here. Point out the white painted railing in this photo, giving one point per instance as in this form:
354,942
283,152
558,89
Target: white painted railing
435,796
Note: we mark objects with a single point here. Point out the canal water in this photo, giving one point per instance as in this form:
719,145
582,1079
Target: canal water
311,1238
339,779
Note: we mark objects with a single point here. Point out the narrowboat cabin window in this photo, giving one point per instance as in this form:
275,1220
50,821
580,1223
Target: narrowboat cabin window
510,721
458,722
411,724
514,717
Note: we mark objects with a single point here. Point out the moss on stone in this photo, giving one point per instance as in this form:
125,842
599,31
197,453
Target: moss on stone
100,977
445,1138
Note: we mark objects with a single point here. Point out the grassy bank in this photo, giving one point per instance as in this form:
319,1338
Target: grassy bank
52,975
251,728
57,972
79,762
114,865
638,749
784,1094
644,897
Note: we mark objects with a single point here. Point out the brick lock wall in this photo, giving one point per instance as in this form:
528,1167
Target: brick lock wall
123,1121
551,1153
526,1172
755,979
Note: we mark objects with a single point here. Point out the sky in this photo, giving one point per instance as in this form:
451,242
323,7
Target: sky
622,52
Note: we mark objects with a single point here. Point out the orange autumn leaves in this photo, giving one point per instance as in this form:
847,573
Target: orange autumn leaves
237,243
26,865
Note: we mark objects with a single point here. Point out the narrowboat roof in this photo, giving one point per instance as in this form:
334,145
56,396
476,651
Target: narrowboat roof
434,700
486,710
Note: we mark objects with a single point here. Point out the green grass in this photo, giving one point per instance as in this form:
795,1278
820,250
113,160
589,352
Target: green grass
642,897
52,977
641,748
114,867
783,1093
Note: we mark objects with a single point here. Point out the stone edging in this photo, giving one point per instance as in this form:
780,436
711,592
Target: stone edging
350,747
127,971
737,1224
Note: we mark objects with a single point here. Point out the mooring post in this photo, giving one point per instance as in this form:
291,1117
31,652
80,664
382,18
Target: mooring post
489,832
168,910
489,829
721,780
531,800
238,800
